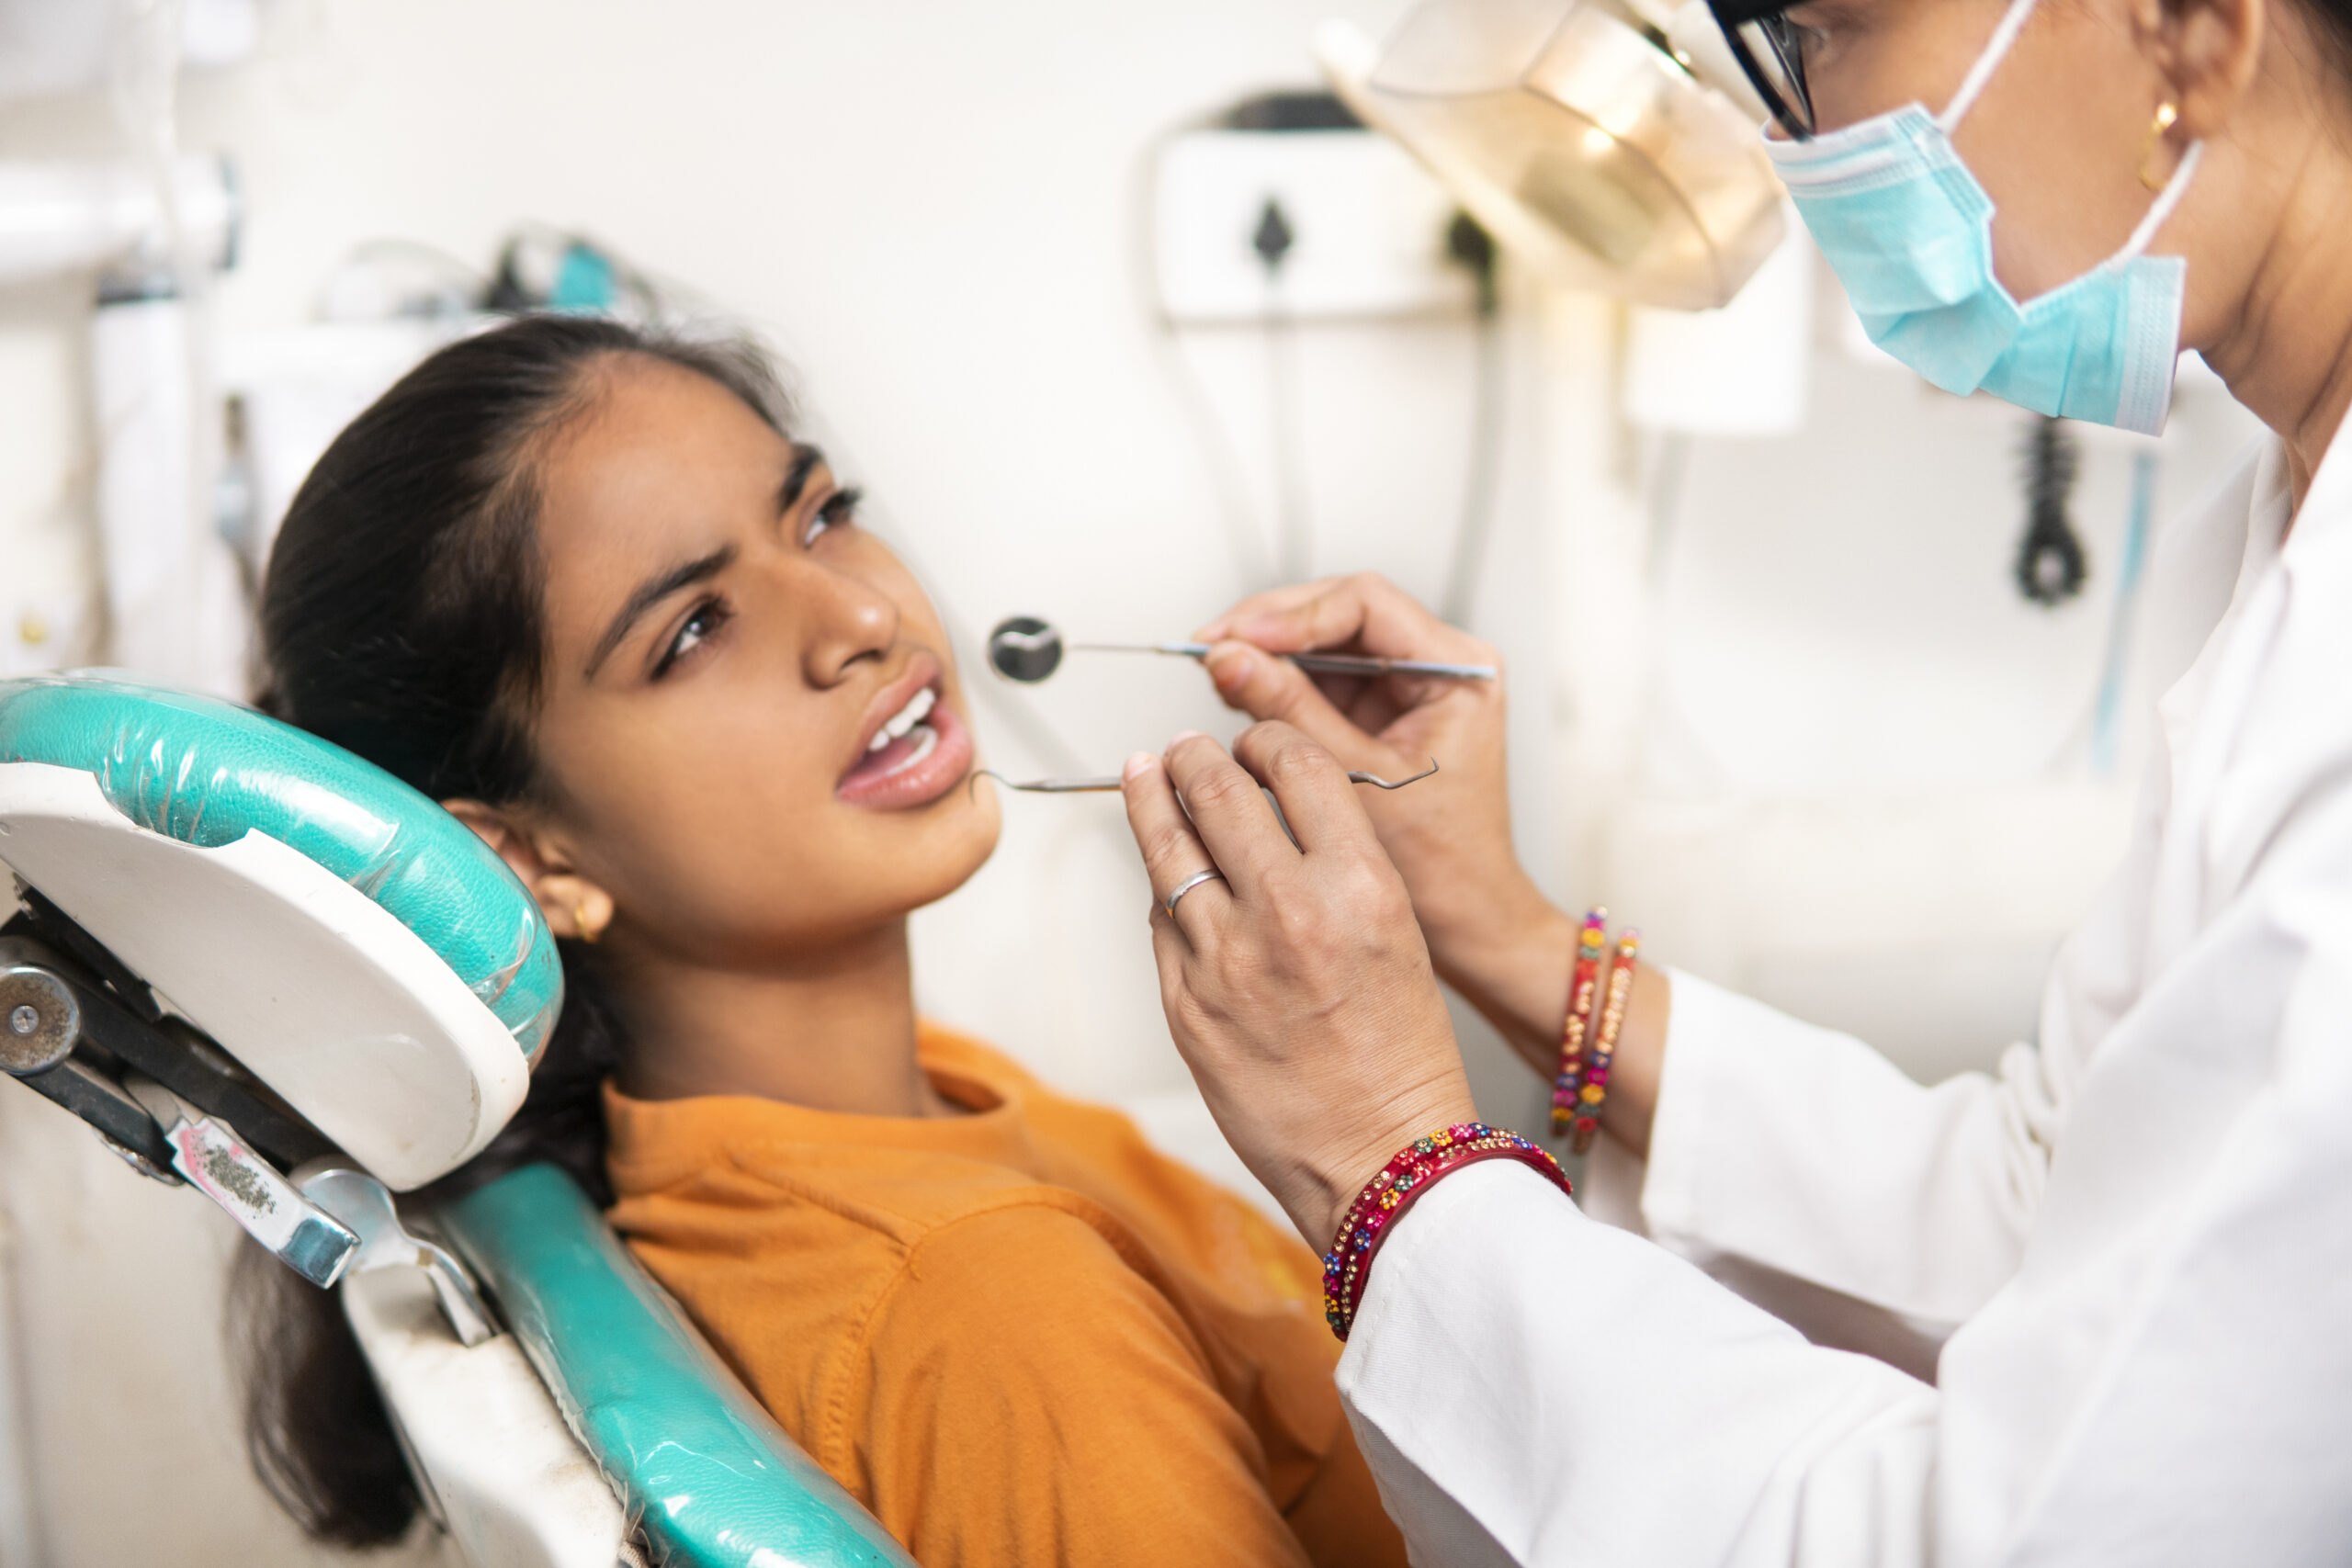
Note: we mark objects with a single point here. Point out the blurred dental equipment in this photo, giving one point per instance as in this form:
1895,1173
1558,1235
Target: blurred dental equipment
1743,370
1105,782
1610,145
151,226
384,305
1278,230
175,597
1581,135
62,217
65,46
1606,145
1025,649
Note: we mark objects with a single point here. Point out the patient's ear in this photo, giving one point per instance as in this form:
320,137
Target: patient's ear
574,906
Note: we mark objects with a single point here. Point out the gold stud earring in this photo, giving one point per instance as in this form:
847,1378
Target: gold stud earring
2167,113
588,931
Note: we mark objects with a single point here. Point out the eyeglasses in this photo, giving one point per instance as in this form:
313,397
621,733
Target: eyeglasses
1765,42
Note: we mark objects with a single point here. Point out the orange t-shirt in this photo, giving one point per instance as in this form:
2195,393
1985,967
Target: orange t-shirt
1019,1336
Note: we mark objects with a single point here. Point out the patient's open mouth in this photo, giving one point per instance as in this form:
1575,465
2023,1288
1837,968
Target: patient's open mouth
916,754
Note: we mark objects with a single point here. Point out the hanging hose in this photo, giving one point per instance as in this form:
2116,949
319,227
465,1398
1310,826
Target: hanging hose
2106,711
1293,545
1473,249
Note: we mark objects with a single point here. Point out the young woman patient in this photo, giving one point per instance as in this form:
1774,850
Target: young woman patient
582,586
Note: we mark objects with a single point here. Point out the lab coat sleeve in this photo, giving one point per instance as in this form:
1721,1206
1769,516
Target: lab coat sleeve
1531,1386
1807,1152
2162,1383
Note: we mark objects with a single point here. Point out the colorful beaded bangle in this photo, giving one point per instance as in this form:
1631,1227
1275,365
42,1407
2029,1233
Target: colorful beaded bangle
1399,1184
1582,983
1604,1043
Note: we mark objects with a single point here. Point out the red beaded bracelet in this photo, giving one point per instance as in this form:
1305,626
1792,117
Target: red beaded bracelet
1591,939
1401,1183
1604,1043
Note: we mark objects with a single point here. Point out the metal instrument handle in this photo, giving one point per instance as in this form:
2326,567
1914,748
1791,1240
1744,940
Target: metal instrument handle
1318,663
1112,780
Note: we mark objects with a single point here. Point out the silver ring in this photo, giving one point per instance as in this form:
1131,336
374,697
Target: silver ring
1212,874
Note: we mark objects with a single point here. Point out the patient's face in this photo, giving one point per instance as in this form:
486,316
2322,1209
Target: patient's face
732,666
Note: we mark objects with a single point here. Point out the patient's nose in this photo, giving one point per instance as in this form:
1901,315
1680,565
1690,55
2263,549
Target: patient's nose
850,620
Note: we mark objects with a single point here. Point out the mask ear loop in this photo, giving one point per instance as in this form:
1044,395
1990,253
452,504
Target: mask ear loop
1972,86
2174,189
2012,23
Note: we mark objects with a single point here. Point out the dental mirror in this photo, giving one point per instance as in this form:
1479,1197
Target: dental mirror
1027,649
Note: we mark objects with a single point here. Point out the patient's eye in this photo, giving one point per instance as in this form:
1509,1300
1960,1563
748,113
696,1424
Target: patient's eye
699,626
838,511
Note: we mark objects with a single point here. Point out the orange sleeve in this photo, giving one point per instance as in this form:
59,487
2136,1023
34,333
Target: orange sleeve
1024,1397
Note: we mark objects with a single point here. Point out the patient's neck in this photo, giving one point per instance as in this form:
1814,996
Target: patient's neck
834,1030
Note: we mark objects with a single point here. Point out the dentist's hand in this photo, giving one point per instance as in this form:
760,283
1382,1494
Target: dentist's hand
1297,987
1492,933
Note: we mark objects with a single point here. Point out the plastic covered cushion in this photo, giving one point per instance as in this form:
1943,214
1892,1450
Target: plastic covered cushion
207,772
715,1481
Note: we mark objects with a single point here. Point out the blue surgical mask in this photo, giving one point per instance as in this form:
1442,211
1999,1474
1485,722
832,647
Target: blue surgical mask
1909,232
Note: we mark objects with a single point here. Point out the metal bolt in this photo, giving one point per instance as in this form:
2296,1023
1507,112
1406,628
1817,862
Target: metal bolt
44,1020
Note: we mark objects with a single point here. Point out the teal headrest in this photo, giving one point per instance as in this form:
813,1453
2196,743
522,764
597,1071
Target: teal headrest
207,772
715,1481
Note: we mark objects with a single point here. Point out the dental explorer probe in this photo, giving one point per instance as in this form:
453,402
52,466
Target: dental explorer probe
1112,781
1025,648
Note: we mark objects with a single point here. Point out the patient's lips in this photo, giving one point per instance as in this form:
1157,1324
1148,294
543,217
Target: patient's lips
918,752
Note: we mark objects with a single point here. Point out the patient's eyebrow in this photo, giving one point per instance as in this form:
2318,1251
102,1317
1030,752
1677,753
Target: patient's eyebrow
795,478
651,593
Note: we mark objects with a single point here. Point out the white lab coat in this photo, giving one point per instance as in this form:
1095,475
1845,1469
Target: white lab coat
2137,1235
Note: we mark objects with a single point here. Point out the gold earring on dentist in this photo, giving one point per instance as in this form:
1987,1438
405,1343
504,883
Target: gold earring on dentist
2167,113
589,930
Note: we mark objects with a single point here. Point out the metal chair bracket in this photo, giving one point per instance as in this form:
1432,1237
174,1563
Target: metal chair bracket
365,1206
212,1158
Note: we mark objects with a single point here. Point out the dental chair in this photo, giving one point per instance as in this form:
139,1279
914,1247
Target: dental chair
261,967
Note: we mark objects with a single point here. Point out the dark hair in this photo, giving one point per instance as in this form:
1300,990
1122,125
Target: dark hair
2333,20
402,619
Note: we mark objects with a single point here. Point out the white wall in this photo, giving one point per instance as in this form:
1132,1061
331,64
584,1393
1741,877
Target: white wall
1868,790
929,208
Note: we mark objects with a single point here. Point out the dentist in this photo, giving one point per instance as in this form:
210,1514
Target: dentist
2129,1248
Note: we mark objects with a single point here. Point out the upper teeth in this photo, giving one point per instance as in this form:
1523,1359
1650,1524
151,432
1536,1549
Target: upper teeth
918,708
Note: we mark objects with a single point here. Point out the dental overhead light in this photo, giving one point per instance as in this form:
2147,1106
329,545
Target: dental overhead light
1582,135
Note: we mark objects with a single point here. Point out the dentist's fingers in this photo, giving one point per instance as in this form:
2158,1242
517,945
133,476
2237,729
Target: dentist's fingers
1231,813
1317,798
1362,612
1268,686
1272,599
1172,852
1354,715
1302,998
